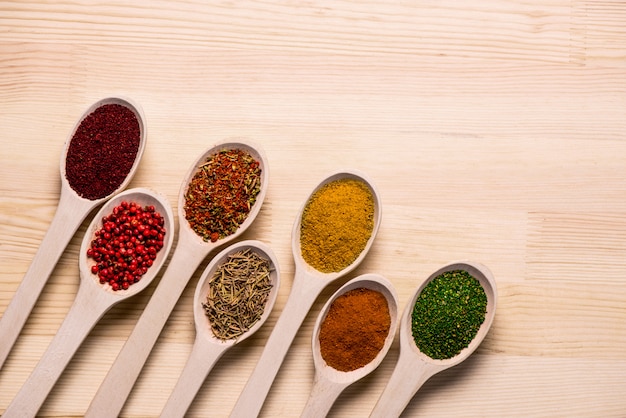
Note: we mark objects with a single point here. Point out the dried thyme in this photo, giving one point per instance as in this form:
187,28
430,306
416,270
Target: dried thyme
238,293
448,313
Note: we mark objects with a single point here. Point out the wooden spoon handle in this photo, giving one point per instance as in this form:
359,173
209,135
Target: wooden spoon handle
121,378
322,398
303,293
408,376
68,217
87,309
200,362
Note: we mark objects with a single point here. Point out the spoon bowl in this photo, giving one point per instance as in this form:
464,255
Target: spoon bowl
143,197
92,301
330,382
295,234
207,348
190,250
143,134
202,322
308,283
414,367
255,152
72,209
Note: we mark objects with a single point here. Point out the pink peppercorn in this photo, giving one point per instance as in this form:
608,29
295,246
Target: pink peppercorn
123,249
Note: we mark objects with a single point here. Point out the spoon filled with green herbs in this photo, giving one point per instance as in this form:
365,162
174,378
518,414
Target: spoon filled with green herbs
233,298
443,324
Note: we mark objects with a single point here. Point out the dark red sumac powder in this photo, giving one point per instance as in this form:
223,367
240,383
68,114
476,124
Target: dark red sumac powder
102,151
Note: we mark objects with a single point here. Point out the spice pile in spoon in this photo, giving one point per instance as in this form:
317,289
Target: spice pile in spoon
127,244
238,293
221,193
448,313
102,151
336,224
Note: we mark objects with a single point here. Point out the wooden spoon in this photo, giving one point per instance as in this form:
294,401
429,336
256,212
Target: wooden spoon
190,250
307,285
71,211
207,348
414,367
92,301
330,382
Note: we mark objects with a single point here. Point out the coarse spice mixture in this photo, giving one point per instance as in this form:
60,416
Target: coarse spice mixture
355,329
221,193
448,314
238,292
102,151
336,224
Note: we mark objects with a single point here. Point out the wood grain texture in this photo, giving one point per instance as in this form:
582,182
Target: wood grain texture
494,131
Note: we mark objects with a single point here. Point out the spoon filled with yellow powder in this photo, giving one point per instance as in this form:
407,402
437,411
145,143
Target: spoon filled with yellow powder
332,234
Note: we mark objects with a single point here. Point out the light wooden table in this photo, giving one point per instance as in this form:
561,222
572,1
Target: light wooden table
495,131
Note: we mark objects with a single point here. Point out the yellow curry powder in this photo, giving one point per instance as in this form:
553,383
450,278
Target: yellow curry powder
336,224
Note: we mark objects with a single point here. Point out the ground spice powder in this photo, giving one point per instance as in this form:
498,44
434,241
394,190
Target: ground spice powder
102,151
355,329
221,193
336,224
448,313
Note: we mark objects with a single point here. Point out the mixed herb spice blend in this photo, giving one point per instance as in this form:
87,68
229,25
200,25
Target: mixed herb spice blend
448,314
221,193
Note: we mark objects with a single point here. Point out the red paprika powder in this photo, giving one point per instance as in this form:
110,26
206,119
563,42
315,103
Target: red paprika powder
354,329
102,151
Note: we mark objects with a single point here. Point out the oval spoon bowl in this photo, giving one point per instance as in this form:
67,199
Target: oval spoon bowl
143,197
295,234
368,281
143,135
203,325
486,280
255,152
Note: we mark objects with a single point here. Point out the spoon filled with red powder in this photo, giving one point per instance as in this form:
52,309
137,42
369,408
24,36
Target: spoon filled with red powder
351,337
100,157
